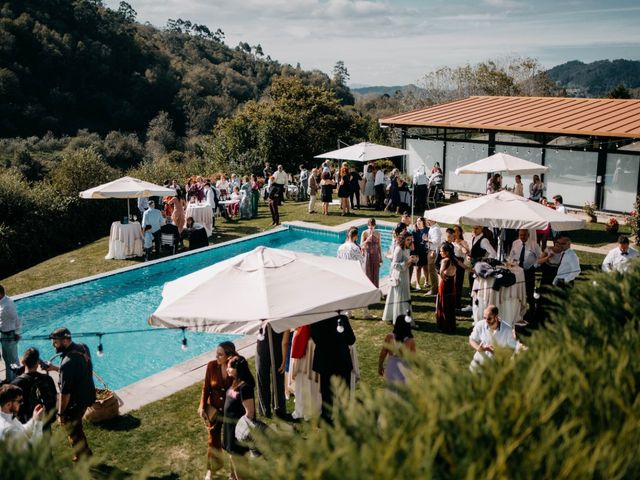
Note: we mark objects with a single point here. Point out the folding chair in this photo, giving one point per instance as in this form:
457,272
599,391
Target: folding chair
169,240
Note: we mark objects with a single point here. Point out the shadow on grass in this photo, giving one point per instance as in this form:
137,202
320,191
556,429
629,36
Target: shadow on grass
430,327
123,423
593,238
104,471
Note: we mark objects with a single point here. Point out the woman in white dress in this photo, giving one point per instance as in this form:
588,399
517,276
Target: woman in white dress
399,297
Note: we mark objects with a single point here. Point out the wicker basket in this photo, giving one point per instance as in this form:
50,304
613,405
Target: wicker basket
107,404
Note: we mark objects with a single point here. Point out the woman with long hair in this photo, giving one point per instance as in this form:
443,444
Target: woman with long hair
399,297
371,245
401,336
178,203
446,300
536,189
420,242
344,188
239,401
214,389
460,251
494,184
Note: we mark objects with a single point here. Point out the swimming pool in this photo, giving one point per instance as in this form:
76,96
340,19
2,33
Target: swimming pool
122,302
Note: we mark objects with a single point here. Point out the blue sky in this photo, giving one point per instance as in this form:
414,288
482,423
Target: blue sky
395,42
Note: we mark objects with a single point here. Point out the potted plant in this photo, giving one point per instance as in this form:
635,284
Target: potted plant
590,209
633,220
612,225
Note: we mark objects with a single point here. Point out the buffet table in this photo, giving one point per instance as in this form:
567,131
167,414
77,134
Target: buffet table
125,240
202,213
511,301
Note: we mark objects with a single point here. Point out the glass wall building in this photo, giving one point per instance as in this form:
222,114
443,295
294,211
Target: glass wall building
591,146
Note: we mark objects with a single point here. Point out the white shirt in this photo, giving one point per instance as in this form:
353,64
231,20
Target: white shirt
280,177
143,203
531,253
153,217
435,237
20,435
420,178
486,245
484,335
617,261
9,316
569,267
210,196
561,208
350,251
379,179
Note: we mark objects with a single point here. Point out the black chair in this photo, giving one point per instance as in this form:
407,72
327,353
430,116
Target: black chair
169,237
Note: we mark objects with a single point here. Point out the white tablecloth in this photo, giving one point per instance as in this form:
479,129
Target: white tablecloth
202,214
511,301
125,241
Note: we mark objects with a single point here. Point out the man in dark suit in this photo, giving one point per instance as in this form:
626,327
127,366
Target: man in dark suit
332,357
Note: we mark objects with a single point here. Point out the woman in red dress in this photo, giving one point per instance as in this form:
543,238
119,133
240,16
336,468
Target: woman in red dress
446,300
214,390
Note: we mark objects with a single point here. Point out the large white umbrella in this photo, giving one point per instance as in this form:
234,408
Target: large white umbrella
283,288
504,163
504,210
126,187
364,152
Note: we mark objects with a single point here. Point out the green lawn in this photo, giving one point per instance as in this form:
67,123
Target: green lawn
166,439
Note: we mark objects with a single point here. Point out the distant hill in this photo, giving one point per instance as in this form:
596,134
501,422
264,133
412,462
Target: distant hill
597,78
382,90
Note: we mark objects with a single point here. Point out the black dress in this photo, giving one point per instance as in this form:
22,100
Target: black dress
344,190
233,411
326,191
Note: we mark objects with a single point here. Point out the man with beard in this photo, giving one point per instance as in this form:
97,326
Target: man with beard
77,391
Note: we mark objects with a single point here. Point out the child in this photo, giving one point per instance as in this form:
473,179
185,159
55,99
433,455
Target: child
148,242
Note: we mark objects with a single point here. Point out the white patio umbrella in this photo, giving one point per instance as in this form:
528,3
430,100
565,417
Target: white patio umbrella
504,163
504,210
282,288
126,187
364,152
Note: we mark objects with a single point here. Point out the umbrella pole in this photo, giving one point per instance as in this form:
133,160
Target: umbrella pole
274,371
128,209
413,198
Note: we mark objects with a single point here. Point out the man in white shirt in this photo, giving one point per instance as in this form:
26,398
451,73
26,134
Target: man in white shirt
379,187
434,242
619,258
420,181
557,200
9,334
480,248
569,266
281,180
525,252
152,216
12,432
489,333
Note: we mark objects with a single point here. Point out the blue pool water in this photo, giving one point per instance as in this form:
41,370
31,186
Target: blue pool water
123,302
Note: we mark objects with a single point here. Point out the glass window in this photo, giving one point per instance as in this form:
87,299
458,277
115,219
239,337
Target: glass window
517,137
460,154
526,153
571,174
423,153
621,182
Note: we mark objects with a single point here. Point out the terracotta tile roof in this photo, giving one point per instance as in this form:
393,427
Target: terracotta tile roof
566,116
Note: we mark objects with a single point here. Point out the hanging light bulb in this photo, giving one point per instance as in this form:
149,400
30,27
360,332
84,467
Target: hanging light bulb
184,346
407,317
260,335
100,351
536,294
340,327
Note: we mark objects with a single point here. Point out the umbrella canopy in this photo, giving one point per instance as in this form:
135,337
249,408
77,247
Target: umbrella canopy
502,162
287,289
127,187
364,152
504,210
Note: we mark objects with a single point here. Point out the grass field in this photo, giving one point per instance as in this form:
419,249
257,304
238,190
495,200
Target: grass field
166,439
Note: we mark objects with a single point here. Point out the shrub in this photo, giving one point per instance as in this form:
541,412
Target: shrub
566,408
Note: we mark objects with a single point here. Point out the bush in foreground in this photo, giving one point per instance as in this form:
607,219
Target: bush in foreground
566,408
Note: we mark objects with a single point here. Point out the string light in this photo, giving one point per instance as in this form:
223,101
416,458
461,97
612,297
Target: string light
100,351
340,327
184,346
536,294
407,317
260,335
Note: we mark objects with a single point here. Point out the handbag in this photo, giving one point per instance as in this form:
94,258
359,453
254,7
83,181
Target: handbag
246,425
394,278
105,407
